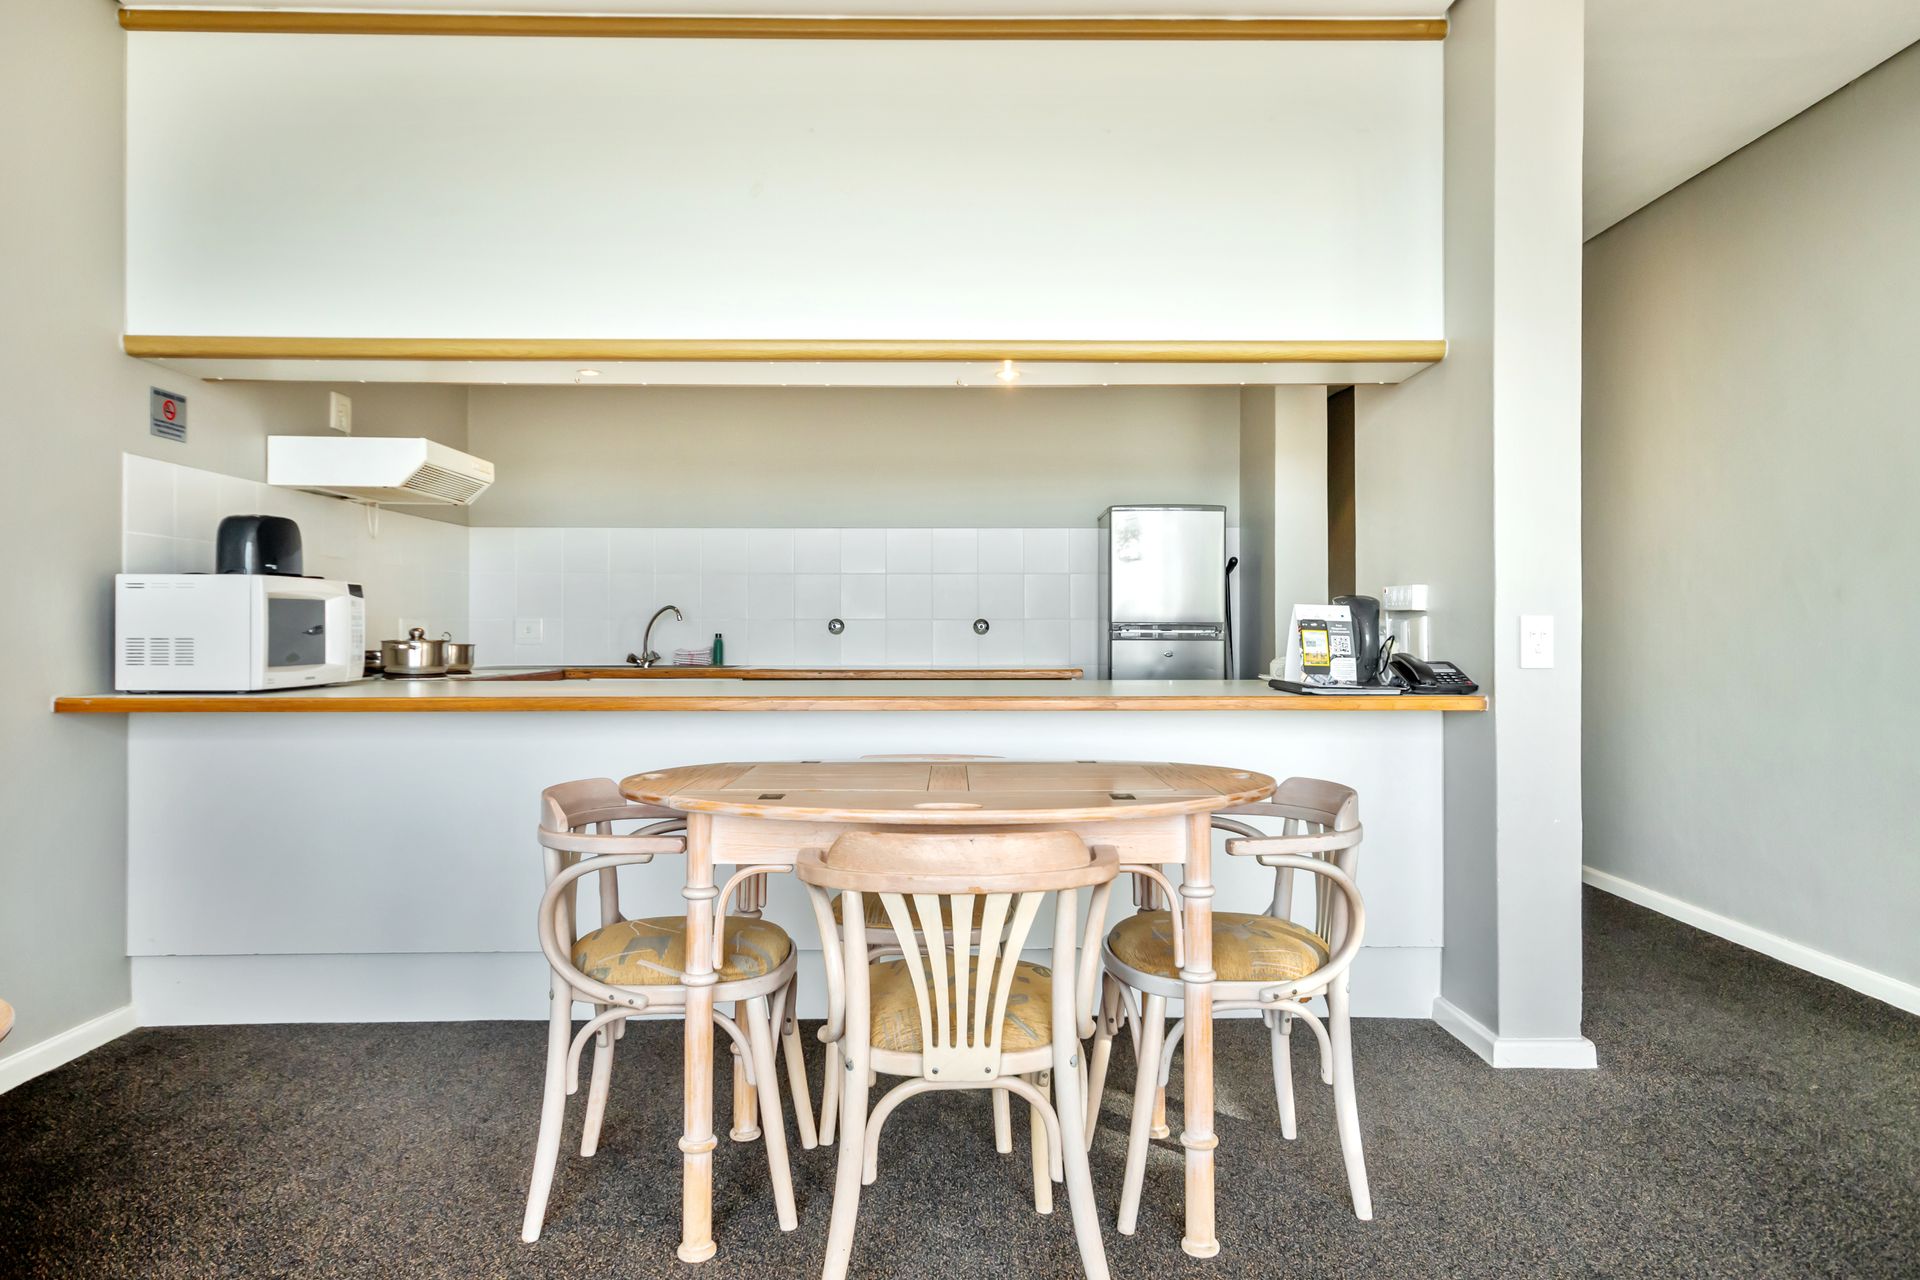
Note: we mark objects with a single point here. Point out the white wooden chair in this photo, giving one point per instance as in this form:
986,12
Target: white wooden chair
1265,962
882,943
960,1010
632,968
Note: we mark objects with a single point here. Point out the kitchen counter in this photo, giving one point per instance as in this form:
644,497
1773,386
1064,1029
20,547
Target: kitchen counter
546,692
378,867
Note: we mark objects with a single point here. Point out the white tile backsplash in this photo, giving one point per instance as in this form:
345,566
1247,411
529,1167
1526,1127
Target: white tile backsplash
1045,550
863,595
910,595
956,595
816,595
909,551
411,569
907,596
1000,551
956,550
676,551
863,551
816,550
586,550
1003,595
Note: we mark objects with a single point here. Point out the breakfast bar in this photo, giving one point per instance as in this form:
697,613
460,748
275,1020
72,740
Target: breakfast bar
288,864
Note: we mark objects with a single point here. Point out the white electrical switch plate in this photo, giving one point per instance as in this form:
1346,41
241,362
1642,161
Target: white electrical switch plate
340,413
529,630
1536,640
1404,599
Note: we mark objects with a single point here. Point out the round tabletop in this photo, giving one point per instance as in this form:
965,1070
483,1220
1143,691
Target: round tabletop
935,792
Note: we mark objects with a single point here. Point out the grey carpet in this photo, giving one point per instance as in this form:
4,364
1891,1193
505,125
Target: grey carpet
1747,1120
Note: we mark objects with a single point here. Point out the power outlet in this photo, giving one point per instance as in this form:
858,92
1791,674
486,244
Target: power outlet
1404,599
1536,640
340,413
529,630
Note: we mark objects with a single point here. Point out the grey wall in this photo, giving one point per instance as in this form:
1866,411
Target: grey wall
745,457
1467,479
1752,461
72,404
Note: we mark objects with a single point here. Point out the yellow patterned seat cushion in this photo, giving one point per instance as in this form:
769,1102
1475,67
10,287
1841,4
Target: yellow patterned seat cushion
896,1014
875,911
1245,948
653,952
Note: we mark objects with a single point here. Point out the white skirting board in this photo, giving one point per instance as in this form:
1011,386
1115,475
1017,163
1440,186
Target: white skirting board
1563,1053
1868,982
25,1063
1389,982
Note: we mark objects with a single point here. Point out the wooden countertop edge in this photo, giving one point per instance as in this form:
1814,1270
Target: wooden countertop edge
122,704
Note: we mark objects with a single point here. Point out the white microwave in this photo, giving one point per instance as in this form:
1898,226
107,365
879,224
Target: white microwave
238,632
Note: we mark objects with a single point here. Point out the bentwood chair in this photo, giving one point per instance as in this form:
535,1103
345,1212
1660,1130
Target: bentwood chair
880,943
1263,962
631,968
959,1010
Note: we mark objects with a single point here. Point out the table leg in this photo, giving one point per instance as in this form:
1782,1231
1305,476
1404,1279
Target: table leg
1196,889
696,1139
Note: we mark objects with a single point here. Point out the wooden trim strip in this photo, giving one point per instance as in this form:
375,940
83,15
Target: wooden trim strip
286,22
121,704
151,346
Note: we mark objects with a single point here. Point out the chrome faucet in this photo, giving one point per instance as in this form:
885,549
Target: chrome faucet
647,657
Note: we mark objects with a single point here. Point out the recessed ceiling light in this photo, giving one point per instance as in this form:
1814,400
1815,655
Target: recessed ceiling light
1007,372
589,373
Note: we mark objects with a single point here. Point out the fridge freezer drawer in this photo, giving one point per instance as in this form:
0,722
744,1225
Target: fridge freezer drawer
1165,659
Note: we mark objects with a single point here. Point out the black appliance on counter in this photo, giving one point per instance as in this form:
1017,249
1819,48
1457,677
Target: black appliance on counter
258,544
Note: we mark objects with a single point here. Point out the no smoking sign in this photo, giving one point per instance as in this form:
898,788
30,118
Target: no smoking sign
167,414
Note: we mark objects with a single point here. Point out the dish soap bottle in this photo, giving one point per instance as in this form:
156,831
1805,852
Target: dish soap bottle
719,650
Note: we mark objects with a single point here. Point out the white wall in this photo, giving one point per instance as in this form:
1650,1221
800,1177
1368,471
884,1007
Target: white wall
1467,478
372,186
1751,463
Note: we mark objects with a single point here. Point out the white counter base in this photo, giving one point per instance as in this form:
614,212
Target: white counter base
383,868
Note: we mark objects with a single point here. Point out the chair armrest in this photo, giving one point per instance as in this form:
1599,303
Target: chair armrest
1263,846
1356,922
1173,907
1090,966
650,841
547,926
831,957
726,895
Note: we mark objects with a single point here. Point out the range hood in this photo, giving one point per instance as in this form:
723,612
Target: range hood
401,470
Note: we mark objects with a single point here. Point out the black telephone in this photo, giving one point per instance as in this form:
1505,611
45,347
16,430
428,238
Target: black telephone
1429,677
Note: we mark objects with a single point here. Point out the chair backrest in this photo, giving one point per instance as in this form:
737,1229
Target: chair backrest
929,883
576,820
1320,819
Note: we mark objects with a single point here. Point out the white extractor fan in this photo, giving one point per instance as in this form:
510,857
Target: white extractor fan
395,470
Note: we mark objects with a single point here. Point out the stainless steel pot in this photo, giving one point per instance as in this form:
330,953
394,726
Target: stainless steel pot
459,655
414,656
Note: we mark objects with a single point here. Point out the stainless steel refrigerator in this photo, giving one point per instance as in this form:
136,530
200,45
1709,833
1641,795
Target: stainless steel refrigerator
1163,593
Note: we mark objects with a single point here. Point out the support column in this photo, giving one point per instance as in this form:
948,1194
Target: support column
1467,479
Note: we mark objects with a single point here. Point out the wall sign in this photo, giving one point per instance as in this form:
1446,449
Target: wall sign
167,413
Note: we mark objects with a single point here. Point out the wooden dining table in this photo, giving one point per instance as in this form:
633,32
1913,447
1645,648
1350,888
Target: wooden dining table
743,814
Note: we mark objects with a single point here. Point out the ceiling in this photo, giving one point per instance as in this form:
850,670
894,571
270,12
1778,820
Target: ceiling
1675,86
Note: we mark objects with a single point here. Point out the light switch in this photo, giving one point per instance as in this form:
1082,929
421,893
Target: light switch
529,630
339,413
1536,640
